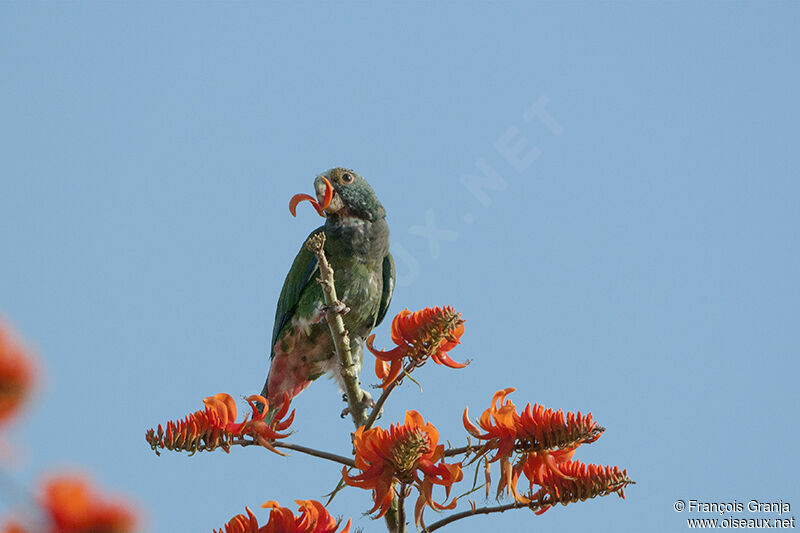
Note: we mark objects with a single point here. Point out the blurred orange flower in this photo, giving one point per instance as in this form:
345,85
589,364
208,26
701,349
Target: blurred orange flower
16,374
397,456
544,439
428,333
314,518
216,426
72,506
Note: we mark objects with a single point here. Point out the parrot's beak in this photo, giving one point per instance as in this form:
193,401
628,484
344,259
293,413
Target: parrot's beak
323,198
326,195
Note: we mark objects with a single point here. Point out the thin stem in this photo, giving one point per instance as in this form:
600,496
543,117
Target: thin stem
302,449
317,453
401,509
479,510
462,450
341,340
385,396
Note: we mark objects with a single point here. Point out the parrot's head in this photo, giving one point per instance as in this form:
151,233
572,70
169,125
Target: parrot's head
352,195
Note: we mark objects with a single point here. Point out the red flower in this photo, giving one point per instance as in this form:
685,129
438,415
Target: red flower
544,439
430,332
398,456
71,506
16,374
577,482
314,518
216,426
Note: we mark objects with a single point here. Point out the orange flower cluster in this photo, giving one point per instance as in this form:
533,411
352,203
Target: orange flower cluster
71,506
16,374
216,426
535,430
397,456
545,441
576,481
314,518
428,333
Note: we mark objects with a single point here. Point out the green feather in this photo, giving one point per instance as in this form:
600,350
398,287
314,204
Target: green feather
388,288
301,272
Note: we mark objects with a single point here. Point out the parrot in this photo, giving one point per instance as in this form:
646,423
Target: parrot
357,247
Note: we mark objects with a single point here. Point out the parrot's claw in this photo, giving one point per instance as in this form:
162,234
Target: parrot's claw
338,308
366,403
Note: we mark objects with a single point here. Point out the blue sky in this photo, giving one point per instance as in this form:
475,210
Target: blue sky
634,253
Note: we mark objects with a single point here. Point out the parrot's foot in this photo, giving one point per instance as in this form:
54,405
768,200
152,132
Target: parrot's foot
365,404
339,308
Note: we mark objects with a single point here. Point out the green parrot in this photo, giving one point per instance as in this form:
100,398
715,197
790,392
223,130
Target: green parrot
357,247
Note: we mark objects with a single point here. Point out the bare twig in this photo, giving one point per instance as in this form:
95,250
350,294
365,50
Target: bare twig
376,410
479,510
341,340
462,450
347,461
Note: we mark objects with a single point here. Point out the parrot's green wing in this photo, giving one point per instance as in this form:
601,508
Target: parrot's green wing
388,288
303,268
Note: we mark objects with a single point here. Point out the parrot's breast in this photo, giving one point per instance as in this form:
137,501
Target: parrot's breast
362,294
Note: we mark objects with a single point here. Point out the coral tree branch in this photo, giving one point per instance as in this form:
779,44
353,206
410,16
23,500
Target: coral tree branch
341,341
476,511
338,332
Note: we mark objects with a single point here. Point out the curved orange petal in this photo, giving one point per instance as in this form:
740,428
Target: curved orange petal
394,371
381,369
284,406
297,198
397,330
442,358
389,355
326,202
471,428
223,405
261,428
283,425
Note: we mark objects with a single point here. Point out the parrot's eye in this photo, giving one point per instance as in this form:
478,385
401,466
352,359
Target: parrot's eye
347,178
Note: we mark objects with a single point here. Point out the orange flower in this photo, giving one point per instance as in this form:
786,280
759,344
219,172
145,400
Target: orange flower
216,426
71,506
430,332
397,456
297,198
544,439
16,374
536,430
314,518
579,482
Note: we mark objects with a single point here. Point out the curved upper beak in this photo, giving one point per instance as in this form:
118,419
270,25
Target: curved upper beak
323,187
